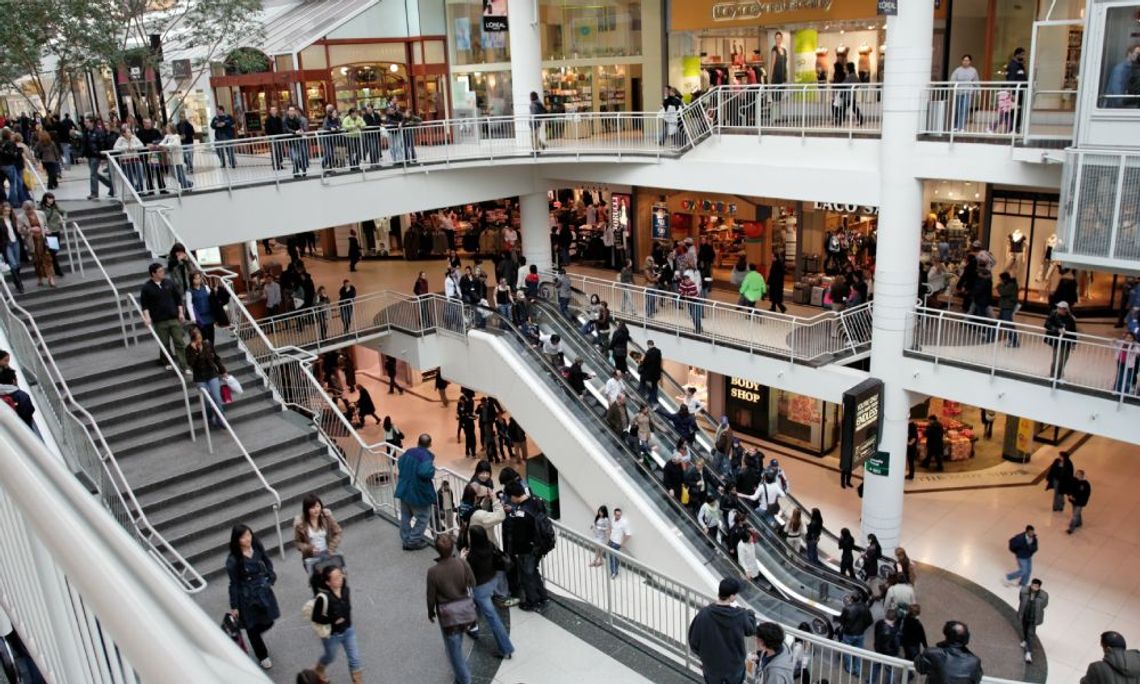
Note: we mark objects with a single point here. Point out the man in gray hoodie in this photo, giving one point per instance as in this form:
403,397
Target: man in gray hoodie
1119,666
717,635
775,658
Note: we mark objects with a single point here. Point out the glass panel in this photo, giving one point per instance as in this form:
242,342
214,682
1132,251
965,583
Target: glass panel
469,43
482,94
583,29
1119,68
1013,24
375,83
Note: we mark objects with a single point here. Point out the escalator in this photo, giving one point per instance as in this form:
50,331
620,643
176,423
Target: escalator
789,572
588,411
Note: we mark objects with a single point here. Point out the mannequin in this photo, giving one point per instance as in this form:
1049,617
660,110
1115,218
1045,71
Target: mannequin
1048,265
865,63
384,235
1015,251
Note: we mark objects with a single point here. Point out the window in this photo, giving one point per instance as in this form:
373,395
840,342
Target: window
1120,61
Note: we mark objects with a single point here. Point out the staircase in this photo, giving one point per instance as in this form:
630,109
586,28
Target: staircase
190,496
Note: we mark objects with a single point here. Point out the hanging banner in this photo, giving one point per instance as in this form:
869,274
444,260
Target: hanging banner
862,418
494,16
619,218
660,221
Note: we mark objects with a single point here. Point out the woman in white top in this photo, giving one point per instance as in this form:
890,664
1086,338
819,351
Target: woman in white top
316,533
601,530
965,80
129,145
709,516
746,554
172,145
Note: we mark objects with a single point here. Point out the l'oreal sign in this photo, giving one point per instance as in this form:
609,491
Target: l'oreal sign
754,9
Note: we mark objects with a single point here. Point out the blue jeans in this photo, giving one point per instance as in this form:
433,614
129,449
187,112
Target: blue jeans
12,256
483,594
614,558
454,645
214,387
97,178
15,185
180,174
564,306
1006,314
695,312
413,535
855,640
1024,571
876,669
962,110
1124,378
224,152
812,550
188,158
346,639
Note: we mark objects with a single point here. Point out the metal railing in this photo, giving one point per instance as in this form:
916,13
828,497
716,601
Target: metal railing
1100,205
172,365
799,109
208,406
110,283
1088,363
823,338
1002,112
85,448
87,603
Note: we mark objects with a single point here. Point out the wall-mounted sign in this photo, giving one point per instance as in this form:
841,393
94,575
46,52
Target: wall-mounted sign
746,405
756,9
710,206
862,418
847,208
494,16
660,225
619,218
181,69
878,464
887,8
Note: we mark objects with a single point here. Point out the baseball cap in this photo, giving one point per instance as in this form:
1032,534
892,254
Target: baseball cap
730,587
1062,305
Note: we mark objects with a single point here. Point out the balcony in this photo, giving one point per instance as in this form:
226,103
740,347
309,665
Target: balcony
1100,207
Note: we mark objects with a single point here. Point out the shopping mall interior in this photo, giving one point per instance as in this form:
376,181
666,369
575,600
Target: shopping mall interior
837,260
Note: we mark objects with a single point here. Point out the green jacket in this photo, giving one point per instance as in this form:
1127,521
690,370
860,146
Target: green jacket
753,287
352,125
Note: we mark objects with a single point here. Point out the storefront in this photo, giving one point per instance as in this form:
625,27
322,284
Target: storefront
594,57
601,218
805,423
990,31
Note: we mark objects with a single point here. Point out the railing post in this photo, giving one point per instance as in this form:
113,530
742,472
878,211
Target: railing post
994,352
205,421
953,111
938,337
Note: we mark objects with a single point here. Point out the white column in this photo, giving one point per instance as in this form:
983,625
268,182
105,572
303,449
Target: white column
534,215
908,53
526,61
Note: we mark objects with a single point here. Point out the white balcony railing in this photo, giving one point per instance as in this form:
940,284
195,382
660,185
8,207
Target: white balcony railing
1100,208
996,112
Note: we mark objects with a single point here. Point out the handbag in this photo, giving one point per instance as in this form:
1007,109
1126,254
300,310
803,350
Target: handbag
323,631
457,614
503,562
233,384
684,495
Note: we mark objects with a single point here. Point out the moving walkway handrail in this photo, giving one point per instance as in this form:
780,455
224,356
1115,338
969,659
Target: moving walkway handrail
781,551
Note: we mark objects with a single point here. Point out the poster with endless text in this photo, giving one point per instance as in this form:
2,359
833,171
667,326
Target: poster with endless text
494,16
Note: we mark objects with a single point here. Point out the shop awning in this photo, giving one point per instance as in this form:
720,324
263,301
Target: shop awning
298,27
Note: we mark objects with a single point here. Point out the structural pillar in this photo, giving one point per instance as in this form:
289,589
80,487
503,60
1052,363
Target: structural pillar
534,217
526,61
896,273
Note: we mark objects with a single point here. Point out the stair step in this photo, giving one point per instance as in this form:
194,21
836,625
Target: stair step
94,397
106,317
202,531
135,443
131,418
304,474
82,330
73,289
212,562
161,494
139,368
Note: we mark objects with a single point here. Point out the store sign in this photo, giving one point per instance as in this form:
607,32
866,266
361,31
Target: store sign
847,208
862,418
887,8
660,228
756,9
619,218
495,16
878,464
709,206
744,391
181,70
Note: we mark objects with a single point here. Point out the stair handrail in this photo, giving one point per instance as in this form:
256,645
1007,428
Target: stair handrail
209,404
188,578
99,264
178,370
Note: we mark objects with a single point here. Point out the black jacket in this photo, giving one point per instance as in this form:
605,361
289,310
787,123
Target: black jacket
674,476
204,363
717,636
949,664
94,143
933,438
620,340
887,638
650,368
274,125
1079,492
330,610
855,618
1061,472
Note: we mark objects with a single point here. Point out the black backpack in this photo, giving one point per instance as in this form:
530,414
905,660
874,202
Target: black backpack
544,536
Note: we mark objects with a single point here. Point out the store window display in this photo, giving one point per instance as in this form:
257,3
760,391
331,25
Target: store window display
590,29
376,83
470,44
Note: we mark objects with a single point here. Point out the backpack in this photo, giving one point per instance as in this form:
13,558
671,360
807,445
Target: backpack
544,536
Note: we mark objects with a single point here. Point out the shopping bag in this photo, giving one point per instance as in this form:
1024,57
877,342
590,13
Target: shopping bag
227,396
233,384
52,243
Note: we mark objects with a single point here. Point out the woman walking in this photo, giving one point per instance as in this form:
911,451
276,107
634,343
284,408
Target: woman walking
847,553
252,600
392,434
207,371
814,530
34,230
601,530
794,531
200,307
486,562
53,225
365,406
333,607
316,533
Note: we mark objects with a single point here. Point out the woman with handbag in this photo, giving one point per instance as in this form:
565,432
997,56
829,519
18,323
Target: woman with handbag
316,533
486,561
252,600
207,370
53,221
34,230
449,585
332,620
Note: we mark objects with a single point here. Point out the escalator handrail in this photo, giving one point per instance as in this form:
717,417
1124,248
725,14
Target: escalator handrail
782,551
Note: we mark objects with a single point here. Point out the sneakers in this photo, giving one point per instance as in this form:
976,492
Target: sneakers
1022,644
1008,582
509,602
266,663
1029,657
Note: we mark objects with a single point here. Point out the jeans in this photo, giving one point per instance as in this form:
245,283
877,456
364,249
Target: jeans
346,316
410,145
224,151
1061,351
1058,495
849,661
1006,314
812,549
188,158
962,110
695,312
171,336
648,390
876,673
97,178
133,168
1024,571
454,645
180,174
614,558
347,638
626,302
534,590
12,256
66,149
483,594
1076,521
299,153
15,184
214,387
1124,378
564,306
413,535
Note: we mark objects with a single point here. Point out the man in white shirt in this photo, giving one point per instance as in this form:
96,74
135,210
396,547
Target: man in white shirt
613,388
553,348
692,401
619,532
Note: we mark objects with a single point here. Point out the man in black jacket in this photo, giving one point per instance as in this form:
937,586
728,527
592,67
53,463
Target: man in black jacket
717,635
1060,327
853,624
1079,492
950,662
521,531
92,146
164,313
186,134
933,443
674,477
649,373
275,126
155,166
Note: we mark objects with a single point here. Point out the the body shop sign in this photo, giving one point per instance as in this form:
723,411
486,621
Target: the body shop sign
746,405
862,418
